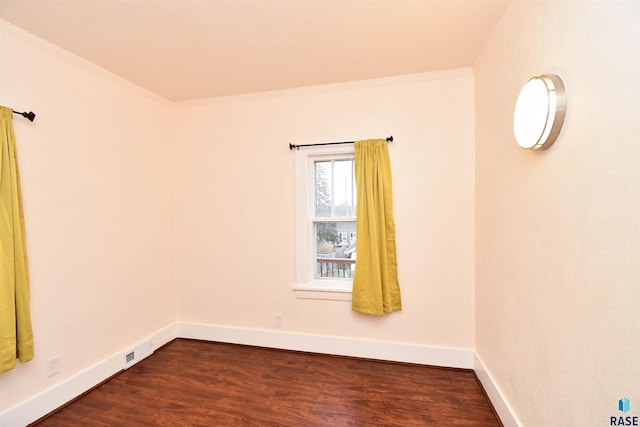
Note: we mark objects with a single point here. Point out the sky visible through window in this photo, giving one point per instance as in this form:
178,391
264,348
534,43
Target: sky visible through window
335,188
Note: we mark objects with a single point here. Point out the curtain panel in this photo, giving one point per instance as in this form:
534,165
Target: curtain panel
375,283
16,337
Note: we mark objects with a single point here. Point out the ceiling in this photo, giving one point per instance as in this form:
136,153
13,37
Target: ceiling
190,49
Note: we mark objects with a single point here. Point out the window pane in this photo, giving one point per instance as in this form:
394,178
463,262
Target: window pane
344,188
335,249
335,190
323,189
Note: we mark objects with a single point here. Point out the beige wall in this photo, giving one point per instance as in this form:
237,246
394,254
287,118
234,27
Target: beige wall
558,232
235,218
96,182
116,255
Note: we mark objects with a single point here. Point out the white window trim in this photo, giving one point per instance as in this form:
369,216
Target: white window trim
306,286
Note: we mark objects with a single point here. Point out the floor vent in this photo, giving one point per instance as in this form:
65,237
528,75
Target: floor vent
137,354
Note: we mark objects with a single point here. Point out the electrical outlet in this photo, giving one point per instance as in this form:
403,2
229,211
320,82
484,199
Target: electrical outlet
53,366
277,320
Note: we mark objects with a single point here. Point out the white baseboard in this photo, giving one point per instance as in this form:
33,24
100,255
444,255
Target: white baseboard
501,405
51,399
48,400
368,349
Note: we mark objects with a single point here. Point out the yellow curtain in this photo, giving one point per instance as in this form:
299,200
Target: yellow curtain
16,338
375,282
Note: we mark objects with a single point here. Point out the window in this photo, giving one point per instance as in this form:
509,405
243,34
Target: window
334,221
325,222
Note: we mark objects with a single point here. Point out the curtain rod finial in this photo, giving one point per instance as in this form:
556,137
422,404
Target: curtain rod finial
30,115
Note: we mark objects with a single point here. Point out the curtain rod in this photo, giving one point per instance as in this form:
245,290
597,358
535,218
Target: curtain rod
30,115
297,147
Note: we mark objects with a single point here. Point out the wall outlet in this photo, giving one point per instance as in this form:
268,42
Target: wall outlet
277,320
53,366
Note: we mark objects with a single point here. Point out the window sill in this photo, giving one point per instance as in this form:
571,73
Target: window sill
322,293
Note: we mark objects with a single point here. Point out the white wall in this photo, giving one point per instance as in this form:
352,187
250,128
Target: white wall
96,180
558,232
235,218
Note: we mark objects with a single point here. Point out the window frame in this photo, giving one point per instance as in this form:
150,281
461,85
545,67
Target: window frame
306,285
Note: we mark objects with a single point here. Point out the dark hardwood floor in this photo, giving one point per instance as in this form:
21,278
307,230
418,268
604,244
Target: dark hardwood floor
196,383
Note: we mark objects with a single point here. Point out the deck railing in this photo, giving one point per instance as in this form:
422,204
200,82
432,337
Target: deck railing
335,268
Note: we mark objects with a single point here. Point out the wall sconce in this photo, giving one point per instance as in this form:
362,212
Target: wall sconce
539,112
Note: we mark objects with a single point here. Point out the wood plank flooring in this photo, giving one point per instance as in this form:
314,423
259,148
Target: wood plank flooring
197,383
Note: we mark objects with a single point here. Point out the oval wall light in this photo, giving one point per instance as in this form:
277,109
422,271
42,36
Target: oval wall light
539,112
